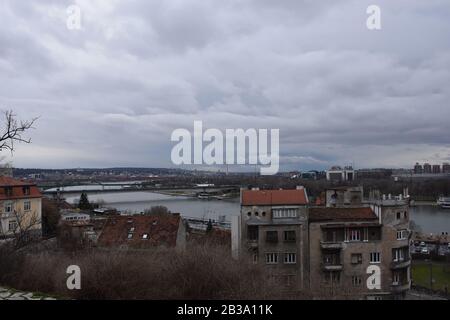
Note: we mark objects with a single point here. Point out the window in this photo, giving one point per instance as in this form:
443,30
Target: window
334,235
284,213
8,207
289,236
396,278
12,225
375,257
356,281
271,258
402,234
332,276
252,233
355,235
27,206
8,191
406,215
356,258
331,258
256,213
398,215
249,213
398,255
290,258
255,258
26,191
272,236
263,213
145,236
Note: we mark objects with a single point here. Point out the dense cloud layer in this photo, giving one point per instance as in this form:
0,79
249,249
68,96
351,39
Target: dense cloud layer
111,93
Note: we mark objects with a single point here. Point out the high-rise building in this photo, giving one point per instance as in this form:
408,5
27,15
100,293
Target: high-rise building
446,167
418,168
436,168
426,168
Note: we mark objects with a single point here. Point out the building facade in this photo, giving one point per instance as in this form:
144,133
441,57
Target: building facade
344,196
337,173
355,252
20,207
272,229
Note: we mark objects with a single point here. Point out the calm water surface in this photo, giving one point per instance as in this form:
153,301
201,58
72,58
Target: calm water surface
136,202
431,219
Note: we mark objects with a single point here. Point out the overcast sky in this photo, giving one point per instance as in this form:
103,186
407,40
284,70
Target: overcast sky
111,93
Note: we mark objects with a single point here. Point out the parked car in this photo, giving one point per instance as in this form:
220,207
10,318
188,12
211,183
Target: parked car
425,251
422,244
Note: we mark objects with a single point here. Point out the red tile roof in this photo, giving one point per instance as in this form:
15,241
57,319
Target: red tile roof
274,197
215,236
341,214
17,189
160,230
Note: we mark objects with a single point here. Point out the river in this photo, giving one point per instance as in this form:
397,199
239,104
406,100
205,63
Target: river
431,219
137,202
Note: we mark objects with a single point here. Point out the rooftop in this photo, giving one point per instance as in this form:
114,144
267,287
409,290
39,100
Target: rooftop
341,214
17,189
274,197
141,231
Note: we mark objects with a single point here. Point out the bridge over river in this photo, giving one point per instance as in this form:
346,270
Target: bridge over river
187,190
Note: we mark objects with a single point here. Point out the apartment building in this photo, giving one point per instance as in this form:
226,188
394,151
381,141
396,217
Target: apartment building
20,207
327,251
346,242
272,229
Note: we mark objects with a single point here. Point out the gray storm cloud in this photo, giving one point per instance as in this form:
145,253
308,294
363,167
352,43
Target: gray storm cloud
111,93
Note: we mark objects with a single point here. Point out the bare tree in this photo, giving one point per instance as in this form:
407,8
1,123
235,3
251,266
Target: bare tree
24,229
13,131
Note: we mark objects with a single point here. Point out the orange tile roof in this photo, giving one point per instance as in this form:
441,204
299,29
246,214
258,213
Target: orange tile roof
274,197
17,189
160,230
341,214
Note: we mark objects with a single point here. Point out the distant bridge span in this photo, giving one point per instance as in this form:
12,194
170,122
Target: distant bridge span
106,188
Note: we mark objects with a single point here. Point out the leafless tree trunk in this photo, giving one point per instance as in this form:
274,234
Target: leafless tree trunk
13,131
27,228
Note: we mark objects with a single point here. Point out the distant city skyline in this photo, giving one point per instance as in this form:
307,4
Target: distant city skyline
111,93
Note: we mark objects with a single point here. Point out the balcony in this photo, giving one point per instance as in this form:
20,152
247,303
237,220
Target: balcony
397,288
252,243
400,264
332,267
331,245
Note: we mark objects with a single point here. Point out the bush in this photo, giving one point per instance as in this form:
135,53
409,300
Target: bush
200,272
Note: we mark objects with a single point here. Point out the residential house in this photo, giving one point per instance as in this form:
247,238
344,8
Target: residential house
143,232
20,208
